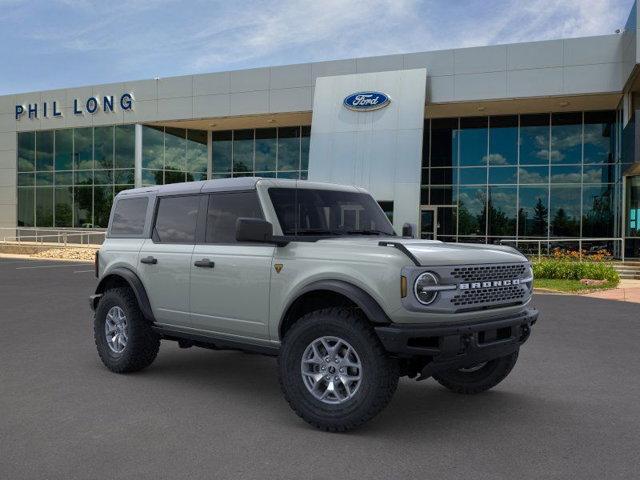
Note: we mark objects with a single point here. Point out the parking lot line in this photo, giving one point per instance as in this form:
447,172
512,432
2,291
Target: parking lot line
52,266
84,271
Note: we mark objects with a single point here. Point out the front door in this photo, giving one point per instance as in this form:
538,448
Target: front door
428,222
230,280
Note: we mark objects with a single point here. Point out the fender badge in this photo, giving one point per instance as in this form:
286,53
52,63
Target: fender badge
278,267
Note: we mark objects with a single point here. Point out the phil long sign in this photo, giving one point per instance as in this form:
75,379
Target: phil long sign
91,105
366,101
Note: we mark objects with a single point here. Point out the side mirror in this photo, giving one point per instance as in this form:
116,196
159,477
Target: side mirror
407,230
253,230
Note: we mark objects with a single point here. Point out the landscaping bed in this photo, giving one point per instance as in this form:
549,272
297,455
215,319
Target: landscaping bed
568,271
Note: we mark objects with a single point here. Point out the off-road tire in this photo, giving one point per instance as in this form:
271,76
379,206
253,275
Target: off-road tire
379,372
480,380
142,344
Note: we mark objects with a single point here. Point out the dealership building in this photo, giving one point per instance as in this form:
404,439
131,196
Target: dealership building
529,143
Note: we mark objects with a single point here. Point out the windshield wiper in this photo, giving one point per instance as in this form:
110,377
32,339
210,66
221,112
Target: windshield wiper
369,232
317,231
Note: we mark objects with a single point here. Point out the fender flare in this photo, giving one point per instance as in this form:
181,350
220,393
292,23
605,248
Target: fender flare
134,283
362,299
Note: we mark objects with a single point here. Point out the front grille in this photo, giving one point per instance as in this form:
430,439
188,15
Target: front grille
488,272
512,293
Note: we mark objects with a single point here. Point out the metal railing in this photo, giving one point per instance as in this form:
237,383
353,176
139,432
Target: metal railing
545,247
52,236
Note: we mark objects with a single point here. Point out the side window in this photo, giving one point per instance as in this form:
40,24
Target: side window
224,209
129,216
176,219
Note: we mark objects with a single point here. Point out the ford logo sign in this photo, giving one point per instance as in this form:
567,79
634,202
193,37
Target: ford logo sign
366,101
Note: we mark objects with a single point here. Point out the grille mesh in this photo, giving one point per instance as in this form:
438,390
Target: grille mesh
488,272
503,294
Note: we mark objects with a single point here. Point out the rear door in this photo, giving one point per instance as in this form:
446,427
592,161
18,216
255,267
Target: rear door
164,263
230,280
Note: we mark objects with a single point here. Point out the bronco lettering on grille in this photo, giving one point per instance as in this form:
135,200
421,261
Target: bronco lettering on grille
489,284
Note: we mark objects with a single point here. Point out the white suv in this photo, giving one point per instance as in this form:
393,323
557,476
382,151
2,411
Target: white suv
314,274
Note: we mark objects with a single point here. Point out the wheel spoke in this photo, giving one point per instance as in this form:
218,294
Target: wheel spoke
331,370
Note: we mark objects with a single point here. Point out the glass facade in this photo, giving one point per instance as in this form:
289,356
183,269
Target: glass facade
540,176
486,179
281,152
68,177
172,155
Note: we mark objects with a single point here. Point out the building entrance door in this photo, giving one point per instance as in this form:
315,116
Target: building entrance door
428,222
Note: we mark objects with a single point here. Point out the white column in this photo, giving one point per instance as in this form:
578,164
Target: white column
209,155
138,156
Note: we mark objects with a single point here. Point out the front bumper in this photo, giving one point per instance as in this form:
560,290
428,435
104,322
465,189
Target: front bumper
448,346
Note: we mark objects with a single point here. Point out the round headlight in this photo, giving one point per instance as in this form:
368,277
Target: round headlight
422,288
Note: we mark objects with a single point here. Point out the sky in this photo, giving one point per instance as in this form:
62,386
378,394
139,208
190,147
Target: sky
48,44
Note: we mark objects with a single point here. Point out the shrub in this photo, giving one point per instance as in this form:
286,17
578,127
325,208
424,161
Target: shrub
575,270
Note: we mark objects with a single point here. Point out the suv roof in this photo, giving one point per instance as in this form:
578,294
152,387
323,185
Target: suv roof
228,184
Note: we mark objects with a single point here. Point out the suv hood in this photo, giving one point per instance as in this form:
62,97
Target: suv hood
435,252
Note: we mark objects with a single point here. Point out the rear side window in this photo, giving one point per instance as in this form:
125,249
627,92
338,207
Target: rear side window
224,209
176,219
129,216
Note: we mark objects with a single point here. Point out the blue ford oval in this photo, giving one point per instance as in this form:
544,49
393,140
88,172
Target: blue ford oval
366,101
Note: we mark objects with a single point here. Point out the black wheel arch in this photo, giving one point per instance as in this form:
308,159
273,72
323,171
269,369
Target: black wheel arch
334,291
122,276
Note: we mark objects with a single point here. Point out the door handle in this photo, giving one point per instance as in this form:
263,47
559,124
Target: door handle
204,263
149,260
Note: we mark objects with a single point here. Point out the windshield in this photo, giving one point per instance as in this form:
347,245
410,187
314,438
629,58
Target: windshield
328,212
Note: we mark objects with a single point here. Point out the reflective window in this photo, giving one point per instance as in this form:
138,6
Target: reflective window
224,209
599,140
197,154
63,206
222,152
175,151
243,151
473,141
266,147
103,147
564,214
534,139
566,138
75,179
63,159
597,211
176,219
566,174
444,142
471,211
26,151
288,148
473,176
533,211
125,146
129,216
503,140
501,211
44,150
26,207
534,175
503,175
153,148
83,148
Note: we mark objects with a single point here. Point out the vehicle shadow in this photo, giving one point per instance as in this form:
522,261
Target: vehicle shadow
416,407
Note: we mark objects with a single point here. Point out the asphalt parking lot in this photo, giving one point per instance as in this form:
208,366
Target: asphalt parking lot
570,408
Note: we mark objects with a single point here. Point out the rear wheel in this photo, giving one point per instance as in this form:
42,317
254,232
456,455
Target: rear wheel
477,378
333,370
123,337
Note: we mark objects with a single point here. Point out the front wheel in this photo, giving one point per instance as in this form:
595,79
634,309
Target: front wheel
478,378
333,370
